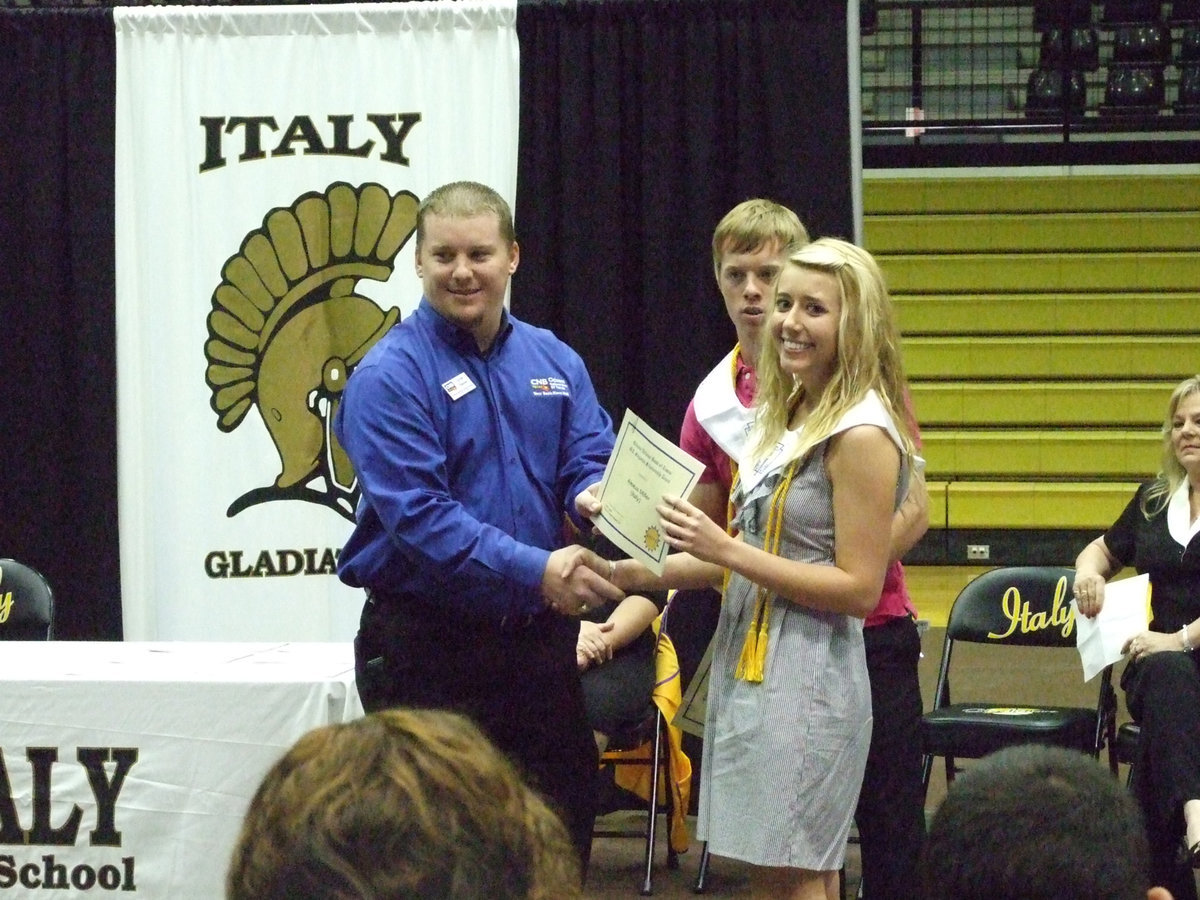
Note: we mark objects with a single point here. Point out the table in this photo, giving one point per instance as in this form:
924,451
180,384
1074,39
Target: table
131,764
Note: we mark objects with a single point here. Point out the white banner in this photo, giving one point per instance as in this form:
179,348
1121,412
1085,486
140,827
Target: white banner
268,165
127,768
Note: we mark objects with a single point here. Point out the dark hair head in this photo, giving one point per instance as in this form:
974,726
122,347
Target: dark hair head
400,805
1036,823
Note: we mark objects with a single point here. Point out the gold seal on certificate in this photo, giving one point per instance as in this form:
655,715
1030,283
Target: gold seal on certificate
643,467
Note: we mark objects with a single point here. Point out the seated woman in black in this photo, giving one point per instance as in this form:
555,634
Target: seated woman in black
1157,534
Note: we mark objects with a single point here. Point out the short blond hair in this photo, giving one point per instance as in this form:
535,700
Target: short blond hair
1172,473
753,224
463,199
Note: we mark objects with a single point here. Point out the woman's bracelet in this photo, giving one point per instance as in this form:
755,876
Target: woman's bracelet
1183,637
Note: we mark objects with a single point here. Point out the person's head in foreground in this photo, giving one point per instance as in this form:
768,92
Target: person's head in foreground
400,805
1037,823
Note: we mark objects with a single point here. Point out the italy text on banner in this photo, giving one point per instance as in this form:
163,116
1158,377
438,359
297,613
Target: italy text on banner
268,165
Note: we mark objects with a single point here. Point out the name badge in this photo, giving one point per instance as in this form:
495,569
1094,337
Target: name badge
458,386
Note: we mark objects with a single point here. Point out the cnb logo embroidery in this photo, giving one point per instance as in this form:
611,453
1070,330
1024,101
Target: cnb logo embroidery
286,329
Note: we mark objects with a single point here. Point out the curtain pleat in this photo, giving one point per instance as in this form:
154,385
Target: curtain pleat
58,484
642,123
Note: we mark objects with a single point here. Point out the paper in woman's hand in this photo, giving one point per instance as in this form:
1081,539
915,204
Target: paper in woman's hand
643,467
1126,612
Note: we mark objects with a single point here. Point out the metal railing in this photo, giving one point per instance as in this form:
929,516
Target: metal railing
996,71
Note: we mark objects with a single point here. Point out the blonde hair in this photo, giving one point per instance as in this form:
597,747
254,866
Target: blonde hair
401,804
462,200
753,224
868,352
1172,474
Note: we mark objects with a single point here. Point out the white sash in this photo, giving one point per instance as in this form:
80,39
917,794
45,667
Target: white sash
868,411
720,412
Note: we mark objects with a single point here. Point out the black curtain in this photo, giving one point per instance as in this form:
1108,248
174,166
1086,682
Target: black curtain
642,123
58,481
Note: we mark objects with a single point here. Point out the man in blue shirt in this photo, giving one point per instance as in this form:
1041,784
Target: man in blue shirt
471,433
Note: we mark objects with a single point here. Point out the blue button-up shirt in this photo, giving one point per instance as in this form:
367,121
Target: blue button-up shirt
467,462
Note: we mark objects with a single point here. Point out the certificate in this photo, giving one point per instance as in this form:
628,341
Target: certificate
643,467
1126,612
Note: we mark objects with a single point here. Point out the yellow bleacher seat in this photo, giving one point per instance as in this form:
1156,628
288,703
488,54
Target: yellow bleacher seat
992,194
1032,403
1113,312
1067,454
1161,357
1025,232
998,272
1076,505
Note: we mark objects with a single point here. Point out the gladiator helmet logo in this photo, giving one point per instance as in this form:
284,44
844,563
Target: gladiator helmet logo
287,327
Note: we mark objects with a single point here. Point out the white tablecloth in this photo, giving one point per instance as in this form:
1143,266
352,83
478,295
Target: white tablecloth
159,746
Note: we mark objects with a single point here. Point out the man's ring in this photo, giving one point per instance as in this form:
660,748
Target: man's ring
612,570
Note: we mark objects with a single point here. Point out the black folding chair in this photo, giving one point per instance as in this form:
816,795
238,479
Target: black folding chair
1025,606
26,603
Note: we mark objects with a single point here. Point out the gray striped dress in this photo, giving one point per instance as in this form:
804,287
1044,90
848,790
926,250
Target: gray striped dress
783,759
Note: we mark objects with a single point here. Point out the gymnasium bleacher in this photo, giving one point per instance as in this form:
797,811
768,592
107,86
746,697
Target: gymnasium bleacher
1045,320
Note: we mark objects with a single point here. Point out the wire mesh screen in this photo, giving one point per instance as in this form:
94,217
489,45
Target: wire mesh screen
939,63
995,63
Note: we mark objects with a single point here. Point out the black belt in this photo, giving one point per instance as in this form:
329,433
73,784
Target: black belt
894,621
412,604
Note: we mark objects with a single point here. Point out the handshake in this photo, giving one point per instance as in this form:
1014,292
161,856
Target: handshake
578,579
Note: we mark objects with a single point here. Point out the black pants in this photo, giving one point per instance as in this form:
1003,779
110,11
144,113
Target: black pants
891,805
1162,691
617,695
520,685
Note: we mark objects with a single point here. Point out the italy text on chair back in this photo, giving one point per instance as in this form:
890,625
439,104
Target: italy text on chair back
1012,607
26,603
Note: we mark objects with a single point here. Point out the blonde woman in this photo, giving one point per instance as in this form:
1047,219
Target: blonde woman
789,715
1157,534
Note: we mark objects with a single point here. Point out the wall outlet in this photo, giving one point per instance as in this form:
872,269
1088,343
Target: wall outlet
979,551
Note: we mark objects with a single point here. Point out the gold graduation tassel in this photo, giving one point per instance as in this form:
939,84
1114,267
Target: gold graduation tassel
754,651
753,659
730,529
